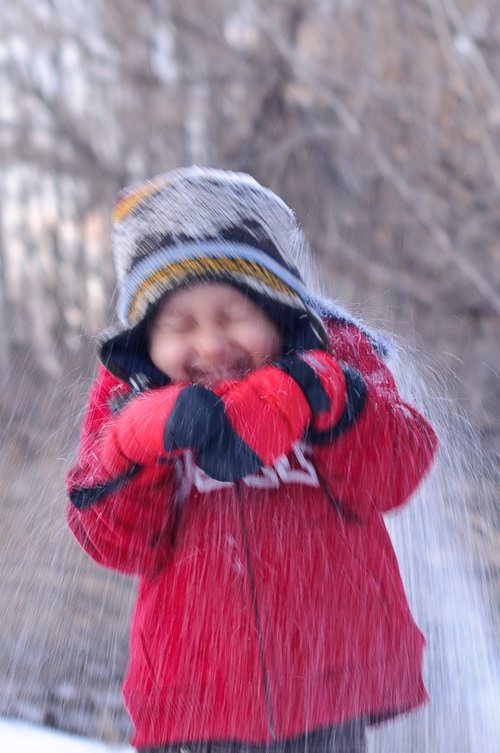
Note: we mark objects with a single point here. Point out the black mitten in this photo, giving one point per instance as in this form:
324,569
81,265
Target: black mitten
308,381
198,422
306,371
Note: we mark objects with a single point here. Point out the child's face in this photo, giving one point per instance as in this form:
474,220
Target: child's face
209,332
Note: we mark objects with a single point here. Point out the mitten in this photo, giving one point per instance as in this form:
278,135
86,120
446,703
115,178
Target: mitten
345,387
136,435
198,422
238,428
322,379
244,428
281,403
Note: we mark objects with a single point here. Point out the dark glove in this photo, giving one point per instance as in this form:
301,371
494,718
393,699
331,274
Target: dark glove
198,422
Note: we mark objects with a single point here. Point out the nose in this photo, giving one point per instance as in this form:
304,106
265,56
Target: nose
211,346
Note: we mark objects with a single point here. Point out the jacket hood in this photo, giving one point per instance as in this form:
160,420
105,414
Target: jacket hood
124,351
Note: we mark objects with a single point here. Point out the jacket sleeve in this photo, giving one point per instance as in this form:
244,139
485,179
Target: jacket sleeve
121,519
381,448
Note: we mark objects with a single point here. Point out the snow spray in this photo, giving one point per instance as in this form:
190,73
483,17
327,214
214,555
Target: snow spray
443,569
446,583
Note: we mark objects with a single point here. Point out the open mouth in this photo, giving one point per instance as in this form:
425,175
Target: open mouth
210,377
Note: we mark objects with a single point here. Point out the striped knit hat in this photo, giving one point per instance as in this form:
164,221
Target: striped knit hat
201,224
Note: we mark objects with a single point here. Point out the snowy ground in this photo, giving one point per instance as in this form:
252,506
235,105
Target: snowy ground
19,737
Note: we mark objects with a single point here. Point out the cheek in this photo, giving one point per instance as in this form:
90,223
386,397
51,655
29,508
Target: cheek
168,356
263,342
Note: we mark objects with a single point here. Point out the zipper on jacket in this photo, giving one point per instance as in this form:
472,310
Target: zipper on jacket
255,606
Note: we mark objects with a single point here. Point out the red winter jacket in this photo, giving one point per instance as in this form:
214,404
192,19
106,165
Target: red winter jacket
270,606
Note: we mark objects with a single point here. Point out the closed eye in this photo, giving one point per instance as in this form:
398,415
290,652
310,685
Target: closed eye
237,313
175,324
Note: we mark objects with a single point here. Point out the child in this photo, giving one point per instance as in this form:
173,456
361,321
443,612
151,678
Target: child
241,444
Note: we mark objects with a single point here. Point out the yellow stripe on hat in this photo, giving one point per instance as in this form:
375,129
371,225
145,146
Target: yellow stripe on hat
203,268
127,204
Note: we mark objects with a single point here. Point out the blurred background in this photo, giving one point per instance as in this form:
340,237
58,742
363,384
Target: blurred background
379,122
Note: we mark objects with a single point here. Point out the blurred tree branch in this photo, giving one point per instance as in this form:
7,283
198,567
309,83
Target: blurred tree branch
416,201
464,89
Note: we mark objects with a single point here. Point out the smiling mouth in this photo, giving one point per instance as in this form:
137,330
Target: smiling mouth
215,376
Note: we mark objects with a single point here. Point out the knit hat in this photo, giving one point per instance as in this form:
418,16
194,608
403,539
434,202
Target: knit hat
202,224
